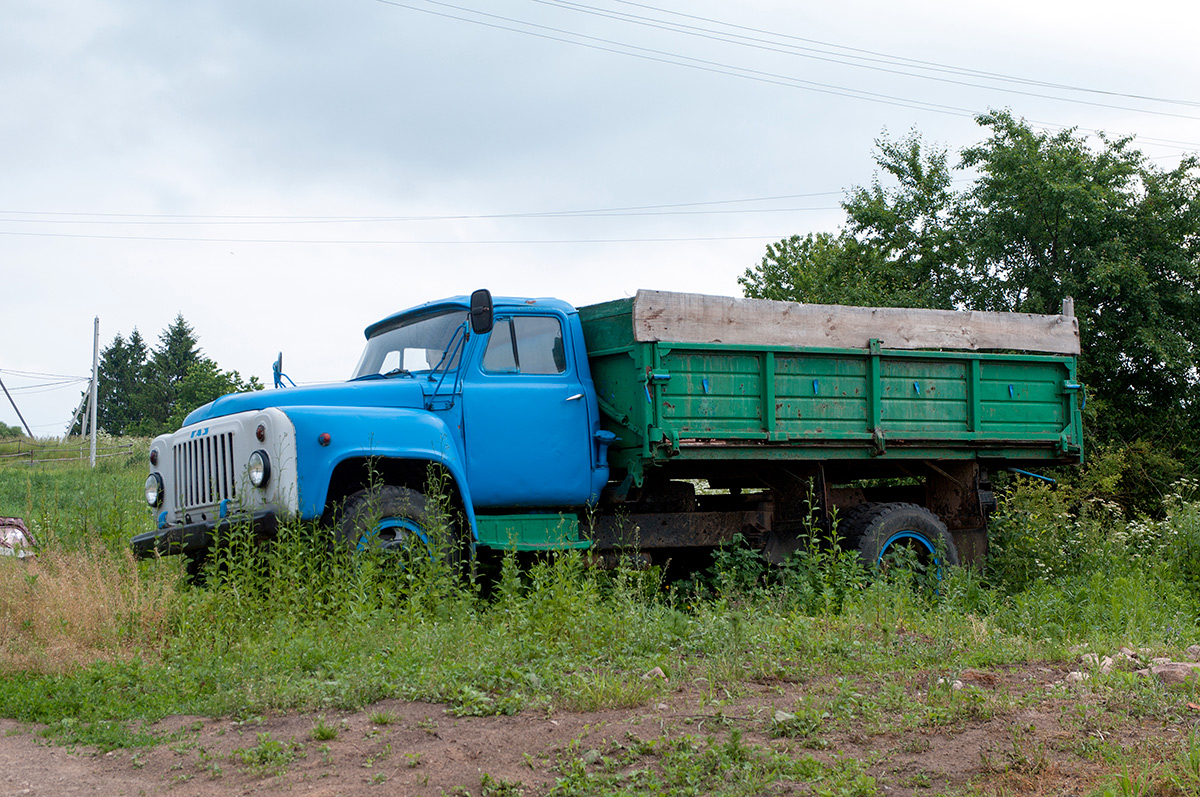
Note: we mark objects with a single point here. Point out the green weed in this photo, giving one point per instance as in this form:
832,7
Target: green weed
379,717
688,765
499,787
267,755
323,731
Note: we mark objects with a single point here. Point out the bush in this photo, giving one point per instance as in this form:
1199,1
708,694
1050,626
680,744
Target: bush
1041,532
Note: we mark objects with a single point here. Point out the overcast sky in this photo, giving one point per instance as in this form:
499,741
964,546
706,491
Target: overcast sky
285,173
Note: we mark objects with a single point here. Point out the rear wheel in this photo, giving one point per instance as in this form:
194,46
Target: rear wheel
397,519
853,521
891,534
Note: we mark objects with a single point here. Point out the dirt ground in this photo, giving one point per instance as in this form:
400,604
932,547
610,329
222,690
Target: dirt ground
424,750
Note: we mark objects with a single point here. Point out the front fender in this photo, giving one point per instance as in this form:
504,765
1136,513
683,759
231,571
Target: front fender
397,433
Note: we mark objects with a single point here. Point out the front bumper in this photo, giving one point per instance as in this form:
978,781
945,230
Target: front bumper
199,536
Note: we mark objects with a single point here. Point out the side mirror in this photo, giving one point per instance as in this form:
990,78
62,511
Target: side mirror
277,372
481,311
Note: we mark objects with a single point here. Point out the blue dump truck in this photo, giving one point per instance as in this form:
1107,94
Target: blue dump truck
661,422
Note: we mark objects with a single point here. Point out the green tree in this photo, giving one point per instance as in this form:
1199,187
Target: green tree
203,383
1049,217
147,393
894,250
177,351
911,229
121,386
1042,217
821,268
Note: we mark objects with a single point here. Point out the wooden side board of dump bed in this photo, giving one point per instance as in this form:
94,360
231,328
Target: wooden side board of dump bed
696,318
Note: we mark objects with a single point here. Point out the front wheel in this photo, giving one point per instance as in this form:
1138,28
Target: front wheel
399,519
897,533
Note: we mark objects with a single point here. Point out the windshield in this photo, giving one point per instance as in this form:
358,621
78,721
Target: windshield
410,346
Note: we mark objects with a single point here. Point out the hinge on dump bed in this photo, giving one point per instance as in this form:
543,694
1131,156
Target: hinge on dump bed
663,441
878,442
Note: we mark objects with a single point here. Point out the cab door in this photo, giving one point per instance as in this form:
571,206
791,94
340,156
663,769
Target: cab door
525,417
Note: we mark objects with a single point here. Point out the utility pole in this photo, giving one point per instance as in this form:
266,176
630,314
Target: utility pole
19,415
78,416
95,385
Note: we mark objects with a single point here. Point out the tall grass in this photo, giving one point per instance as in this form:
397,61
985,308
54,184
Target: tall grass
305,623
68,505
1064,567
83,598
69,608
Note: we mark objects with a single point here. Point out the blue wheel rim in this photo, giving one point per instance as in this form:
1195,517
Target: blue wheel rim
394,530
921,539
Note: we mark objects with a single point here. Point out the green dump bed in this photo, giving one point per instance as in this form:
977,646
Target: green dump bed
683,376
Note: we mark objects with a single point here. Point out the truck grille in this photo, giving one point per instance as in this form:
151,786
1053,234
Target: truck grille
204,471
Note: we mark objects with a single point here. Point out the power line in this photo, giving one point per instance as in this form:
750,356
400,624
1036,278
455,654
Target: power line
49,388
531,214
40,375
734,71
57,384
701,64
787,49
876,56
662,209
198,221
728,69
669,209
47,426
380,242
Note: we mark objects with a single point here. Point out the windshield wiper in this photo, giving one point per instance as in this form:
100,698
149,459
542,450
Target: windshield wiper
393,372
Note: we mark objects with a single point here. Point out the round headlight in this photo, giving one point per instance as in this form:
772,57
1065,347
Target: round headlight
259,468
154,490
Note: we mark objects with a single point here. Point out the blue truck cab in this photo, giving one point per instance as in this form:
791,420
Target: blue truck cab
493,400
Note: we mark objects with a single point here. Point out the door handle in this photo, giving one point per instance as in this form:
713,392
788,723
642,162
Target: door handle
576,397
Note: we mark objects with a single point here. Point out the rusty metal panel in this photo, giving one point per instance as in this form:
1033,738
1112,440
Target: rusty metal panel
676,529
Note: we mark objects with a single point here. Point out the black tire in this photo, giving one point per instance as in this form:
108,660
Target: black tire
854,521
391,518
885,529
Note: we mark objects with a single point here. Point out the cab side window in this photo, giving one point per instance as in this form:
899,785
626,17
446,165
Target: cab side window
526,345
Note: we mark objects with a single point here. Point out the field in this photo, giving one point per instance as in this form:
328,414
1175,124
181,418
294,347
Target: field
303,669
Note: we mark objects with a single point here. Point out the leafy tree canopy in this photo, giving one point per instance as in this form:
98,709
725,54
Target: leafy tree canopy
1039,217
203,383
